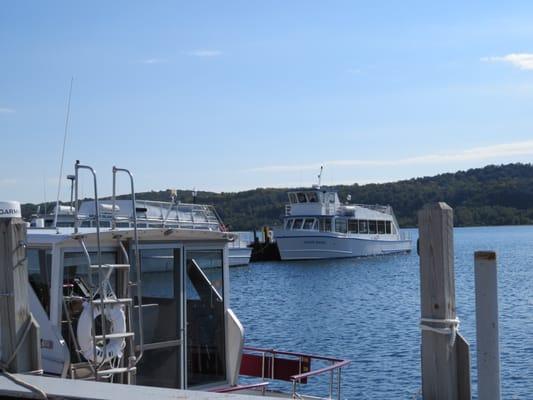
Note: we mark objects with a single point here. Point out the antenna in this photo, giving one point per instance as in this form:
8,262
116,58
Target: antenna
320,176
63,153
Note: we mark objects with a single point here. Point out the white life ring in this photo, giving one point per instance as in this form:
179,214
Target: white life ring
115,323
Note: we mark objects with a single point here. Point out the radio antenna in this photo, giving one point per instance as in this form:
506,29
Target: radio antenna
63,153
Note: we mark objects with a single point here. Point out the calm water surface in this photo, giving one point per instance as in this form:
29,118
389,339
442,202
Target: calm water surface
367,310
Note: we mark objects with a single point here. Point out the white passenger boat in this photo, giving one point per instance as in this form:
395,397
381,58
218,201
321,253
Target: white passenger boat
121,301
150,214
318,226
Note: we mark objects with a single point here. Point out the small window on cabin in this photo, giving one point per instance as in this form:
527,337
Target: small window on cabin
86,224
325,224
353,226
340,225
301,197
292,198
288,223
105,224
39,275
297,223
363,226
123,224
387,227
381,227
312,197
308,223
372,227
331,197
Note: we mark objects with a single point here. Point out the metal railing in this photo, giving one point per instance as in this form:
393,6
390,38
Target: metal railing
335,366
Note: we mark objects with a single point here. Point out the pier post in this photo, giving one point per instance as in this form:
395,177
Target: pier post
19,332
444,352
488,352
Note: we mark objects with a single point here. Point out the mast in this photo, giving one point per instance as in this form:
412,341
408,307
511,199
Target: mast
320,176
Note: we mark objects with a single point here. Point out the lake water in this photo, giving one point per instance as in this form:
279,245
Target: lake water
368,309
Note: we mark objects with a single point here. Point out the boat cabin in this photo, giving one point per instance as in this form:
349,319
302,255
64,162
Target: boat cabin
312,202
321,210
185,335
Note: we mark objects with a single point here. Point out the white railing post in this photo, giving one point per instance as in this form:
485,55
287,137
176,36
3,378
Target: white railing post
488,352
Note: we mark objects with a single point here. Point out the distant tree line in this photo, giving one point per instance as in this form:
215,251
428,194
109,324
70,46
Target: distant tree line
493,195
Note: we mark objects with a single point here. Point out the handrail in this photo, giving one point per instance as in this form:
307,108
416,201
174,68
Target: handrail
77,167
135,252
289,353
336,365
319,371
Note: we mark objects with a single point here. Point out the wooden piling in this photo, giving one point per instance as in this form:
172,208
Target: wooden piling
488,352
15,316
445,356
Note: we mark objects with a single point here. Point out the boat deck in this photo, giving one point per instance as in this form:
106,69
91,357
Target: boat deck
90,390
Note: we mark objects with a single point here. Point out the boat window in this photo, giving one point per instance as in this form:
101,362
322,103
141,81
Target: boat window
353,226
387,227
293,198
381,227
340,225
325,224
363,226
331,197
162,312
301,197
297,223
308,223
312,197
105,224
39,274
372,228
288,223
206,354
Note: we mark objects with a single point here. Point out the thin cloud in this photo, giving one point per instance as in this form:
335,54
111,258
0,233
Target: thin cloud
519,60
7,182
524,148
354,71
153,61
6,110
205,53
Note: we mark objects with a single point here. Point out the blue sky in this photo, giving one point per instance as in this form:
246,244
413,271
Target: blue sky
227,96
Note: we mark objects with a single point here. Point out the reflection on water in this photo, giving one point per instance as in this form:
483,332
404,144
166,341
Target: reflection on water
367,310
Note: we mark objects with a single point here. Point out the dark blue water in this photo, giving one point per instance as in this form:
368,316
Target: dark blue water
367,310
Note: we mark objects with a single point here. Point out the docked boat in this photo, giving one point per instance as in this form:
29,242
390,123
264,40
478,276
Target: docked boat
317,225
120,300
240,250
150,214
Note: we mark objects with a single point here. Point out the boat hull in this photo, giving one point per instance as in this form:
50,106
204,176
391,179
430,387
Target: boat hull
307,246
239,256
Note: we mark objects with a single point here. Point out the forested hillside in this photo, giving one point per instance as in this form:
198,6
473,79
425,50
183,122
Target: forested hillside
493,195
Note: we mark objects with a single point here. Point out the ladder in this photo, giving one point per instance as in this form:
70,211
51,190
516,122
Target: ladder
102,297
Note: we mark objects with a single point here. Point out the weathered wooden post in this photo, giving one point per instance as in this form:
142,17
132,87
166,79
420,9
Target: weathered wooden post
19,332
488,352
445,356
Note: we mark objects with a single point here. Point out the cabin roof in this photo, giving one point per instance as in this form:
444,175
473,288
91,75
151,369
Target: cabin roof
53,236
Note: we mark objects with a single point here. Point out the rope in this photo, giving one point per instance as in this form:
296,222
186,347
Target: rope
451,327
4,366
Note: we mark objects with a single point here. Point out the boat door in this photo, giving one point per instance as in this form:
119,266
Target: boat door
162,294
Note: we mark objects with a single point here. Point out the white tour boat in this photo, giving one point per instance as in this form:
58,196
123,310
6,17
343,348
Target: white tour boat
120,301
317,225
150,214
